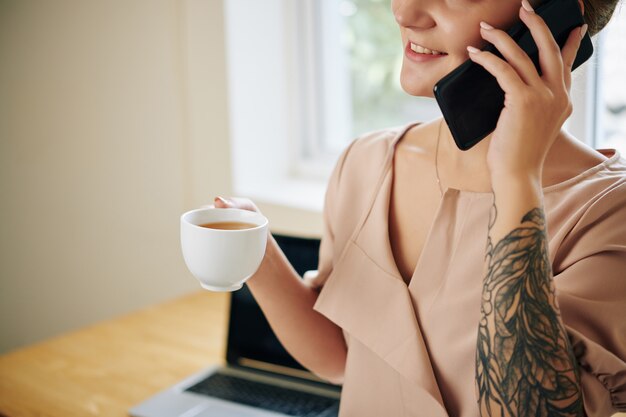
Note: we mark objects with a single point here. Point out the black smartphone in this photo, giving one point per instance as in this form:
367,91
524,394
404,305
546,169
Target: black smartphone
471,99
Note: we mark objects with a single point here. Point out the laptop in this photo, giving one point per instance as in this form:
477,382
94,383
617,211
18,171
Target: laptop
260,379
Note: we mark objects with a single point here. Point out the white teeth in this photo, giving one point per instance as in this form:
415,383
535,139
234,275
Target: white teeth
421,50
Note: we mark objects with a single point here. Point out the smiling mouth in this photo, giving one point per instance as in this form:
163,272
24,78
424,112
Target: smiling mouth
422,50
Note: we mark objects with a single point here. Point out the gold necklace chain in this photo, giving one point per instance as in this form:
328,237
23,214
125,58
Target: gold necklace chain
436,157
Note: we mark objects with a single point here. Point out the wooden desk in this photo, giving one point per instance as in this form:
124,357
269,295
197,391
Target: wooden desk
105,369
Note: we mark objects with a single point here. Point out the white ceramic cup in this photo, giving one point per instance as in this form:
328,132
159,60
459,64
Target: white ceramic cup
222,260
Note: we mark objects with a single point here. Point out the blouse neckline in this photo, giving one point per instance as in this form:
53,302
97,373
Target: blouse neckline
612,155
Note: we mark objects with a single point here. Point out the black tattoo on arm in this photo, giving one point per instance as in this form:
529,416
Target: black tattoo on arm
524,362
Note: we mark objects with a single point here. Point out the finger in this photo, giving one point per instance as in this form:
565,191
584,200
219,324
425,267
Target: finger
549,52
512,52
569,51
221,202
507,77
236,202
243,203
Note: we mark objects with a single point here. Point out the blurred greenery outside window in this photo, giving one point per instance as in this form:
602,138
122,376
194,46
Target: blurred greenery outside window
358,56
371,38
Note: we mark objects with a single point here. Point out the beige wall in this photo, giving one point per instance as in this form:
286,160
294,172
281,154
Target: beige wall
113,121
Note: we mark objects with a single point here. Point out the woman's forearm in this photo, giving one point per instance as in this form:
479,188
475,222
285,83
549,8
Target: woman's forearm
524,362
316,342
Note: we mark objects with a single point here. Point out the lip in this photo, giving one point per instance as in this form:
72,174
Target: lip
417,57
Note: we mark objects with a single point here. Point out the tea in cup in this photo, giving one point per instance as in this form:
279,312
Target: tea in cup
223,247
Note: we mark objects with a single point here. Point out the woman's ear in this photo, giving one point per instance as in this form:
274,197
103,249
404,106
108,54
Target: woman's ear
582,6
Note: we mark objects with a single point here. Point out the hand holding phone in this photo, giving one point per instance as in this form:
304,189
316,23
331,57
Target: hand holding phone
471,99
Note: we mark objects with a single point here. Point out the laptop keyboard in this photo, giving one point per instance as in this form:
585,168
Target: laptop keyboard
269,397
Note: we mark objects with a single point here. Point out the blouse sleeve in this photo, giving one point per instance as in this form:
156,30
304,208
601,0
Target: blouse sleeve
316,279
591,292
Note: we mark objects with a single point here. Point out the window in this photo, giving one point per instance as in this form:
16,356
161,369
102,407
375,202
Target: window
356,56
611,85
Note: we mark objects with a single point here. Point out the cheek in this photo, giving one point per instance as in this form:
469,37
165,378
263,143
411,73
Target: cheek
394,6
465,27
506,16
460,40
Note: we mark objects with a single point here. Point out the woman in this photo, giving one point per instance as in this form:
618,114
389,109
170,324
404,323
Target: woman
438,268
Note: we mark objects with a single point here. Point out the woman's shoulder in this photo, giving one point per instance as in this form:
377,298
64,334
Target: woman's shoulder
575,167
605,173
371,149
590,204
615,164
376,143
362,165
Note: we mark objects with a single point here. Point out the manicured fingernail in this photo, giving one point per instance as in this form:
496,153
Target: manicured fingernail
472,50
221,200
583,30
486,25
526,5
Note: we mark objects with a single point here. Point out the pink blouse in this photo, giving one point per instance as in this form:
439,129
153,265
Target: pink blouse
411,349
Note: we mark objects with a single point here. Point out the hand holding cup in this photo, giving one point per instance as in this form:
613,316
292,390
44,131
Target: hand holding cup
224,245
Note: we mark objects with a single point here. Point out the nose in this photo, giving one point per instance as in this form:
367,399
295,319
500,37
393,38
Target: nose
412,13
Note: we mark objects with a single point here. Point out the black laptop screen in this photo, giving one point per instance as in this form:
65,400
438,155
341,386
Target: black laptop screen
249,334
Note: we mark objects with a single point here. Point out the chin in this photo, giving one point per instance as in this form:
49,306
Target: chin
417,87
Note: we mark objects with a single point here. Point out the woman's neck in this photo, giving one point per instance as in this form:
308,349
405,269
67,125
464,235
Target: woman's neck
462,170
467,170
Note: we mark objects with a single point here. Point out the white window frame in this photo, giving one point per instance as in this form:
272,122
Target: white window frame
583,121
317,73
264,123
